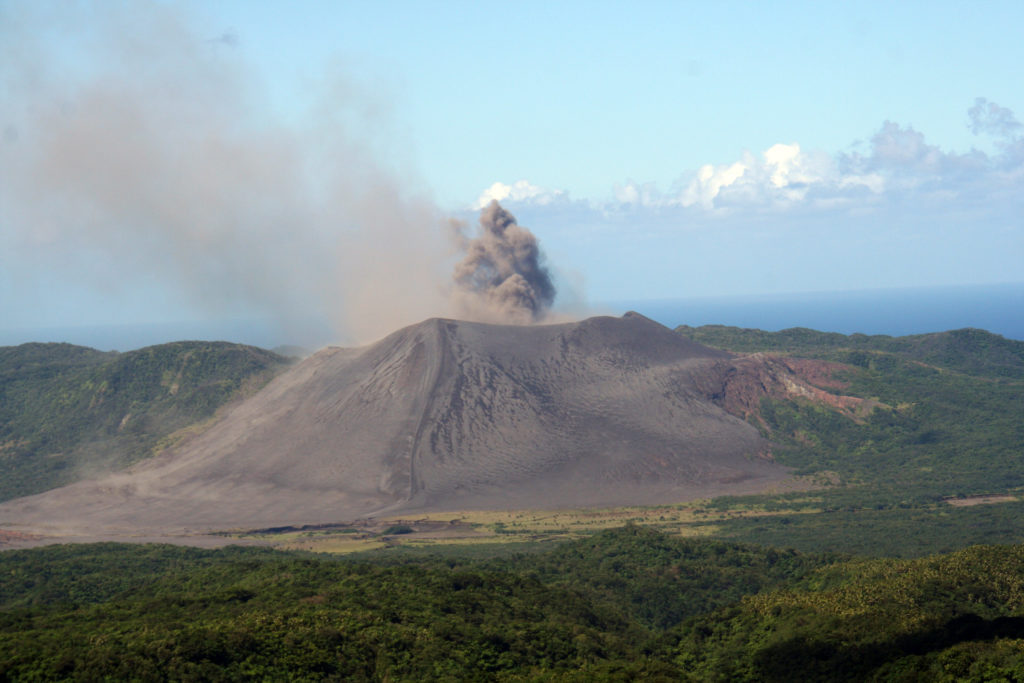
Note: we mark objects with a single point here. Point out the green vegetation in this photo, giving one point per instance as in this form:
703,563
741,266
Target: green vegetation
970,351
941,618
660,580
949,426
910,531
158,613
938,434
622,604
67,411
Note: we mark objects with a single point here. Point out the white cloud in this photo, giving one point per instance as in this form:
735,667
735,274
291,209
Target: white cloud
783,175
893,211
635,193
895,167
709,183
898,162
898,149
519,191
989,117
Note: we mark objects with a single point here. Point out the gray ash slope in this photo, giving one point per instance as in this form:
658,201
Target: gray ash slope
444,414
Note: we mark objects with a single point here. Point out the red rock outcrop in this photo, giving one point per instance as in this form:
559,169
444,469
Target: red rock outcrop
737,385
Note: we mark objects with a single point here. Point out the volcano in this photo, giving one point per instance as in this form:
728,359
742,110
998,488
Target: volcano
441,415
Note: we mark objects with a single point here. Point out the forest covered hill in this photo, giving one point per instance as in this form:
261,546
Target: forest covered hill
947,420
968,350
68,411
910,477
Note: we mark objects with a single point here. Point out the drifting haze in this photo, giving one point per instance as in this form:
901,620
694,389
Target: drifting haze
156,166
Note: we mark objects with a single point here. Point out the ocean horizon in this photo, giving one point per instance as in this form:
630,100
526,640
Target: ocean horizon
895,312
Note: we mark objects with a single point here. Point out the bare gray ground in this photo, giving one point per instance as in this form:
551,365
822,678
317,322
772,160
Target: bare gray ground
440,415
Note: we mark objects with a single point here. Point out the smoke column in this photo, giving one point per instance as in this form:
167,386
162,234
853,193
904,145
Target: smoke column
142,164
500,276
153,169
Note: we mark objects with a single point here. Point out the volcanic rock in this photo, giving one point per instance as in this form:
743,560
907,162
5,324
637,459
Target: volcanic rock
738,385
444,414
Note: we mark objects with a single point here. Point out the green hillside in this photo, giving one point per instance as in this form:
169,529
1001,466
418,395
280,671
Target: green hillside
948,427
949,423
970,351
68,411
578,612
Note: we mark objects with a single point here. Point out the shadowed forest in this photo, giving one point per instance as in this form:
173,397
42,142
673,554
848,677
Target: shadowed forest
624,604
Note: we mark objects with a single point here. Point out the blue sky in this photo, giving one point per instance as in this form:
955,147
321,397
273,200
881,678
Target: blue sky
294,162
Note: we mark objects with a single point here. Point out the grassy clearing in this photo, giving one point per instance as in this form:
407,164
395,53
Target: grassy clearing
792,520
459,529
981,500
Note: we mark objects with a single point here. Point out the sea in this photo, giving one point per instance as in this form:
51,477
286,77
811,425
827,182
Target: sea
895,312
996,308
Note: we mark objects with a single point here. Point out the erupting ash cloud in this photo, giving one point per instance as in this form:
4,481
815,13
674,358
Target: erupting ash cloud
501,276
156,174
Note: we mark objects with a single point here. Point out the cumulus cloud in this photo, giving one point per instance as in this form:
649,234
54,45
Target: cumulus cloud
519,191
999,122
630,192
898,160
781,176
710,181
989,117
895,210
898,148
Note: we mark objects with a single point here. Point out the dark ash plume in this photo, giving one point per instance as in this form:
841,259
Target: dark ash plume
501,277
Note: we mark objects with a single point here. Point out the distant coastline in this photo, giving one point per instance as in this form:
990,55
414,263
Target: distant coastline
896,312
996,308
